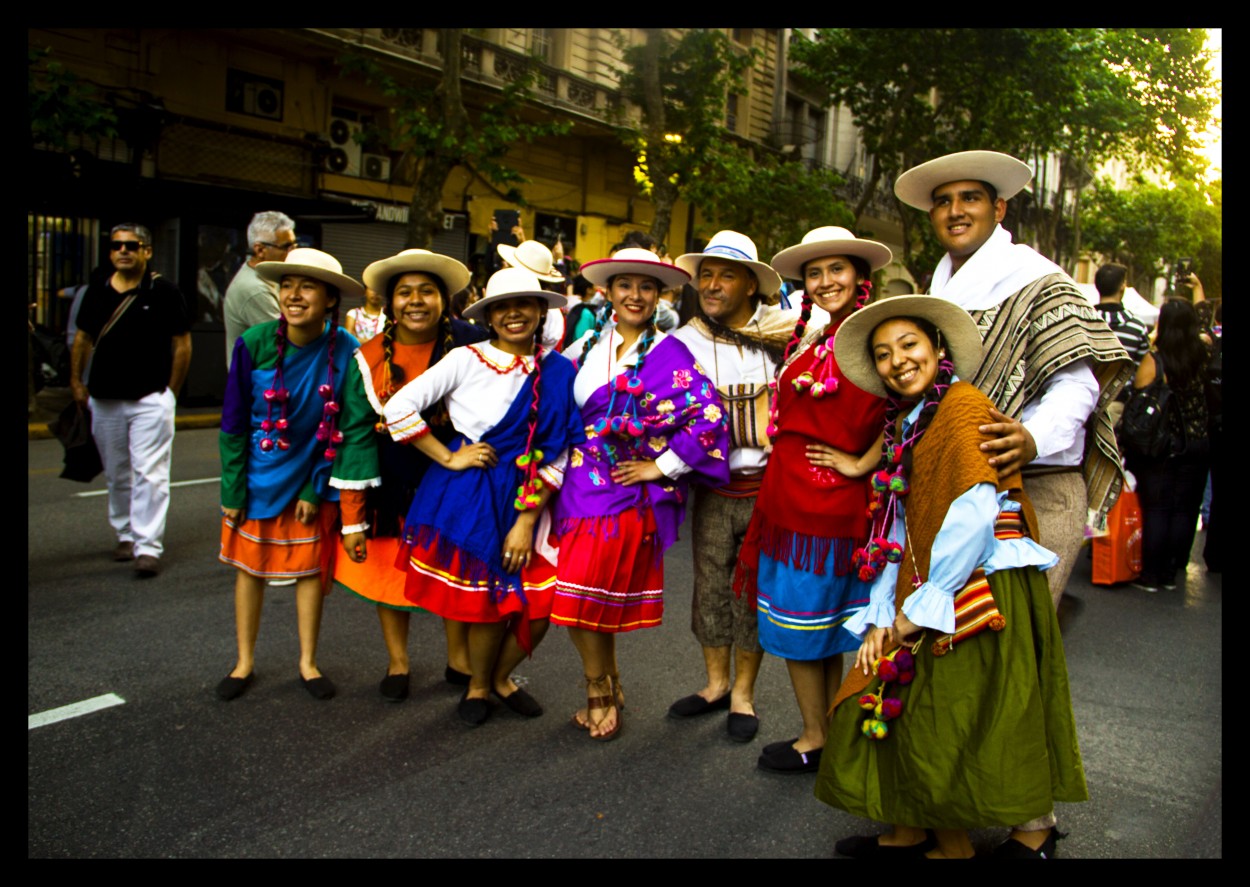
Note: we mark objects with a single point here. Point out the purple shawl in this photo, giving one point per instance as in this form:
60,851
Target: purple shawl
682,412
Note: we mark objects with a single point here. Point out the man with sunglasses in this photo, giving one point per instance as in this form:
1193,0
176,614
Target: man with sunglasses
249,299
134,327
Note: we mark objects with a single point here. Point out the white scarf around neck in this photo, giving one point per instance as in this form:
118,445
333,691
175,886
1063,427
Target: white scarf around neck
997,270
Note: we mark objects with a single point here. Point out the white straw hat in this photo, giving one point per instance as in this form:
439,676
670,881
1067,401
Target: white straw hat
1007,174
512,283
829,241
736,248
315,264
532,256
454,274
634,260
958,329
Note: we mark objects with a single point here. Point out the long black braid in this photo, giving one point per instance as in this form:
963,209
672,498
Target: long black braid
601,318
528,494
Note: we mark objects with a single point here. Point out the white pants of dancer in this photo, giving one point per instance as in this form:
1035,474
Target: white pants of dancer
136,443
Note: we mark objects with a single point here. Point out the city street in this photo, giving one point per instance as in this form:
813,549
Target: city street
169,771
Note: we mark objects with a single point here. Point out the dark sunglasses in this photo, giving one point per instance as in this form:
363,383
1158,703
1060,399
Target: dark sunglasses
127,246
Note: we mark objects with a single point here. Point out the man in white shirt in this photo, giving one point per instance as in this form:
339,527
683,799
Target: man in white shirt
738,340
249,299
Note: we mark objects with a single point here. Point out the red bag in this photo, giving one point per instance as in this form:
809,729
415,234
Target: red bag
1117,555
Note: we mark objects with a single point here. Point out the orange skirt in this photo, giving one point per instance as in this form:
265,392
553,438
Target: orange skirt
381,578
281,547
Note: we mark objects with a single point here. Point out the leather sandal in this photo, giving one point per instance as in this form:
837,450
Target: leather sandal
606,702
579,719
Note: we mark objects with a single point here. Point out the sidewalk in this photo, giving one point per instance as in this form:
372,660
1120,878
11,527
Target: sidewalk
50,401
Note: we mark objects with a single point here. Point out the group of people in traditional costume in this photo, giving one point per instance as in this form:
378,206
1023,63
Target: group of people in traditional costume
476,473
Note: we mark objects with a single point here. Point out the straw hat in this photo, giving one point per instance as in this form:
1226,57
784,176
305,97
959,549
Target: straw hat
512,283
454,274
959,335
1007,174
634,260
312,263
736,248
533,257
829,241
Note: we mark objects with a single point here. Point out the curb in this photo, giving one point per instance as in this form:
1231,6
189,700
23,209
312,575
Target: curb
39,430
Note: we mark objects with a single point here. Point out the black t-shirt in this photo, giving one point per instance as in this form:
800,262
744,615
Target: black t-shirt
136,356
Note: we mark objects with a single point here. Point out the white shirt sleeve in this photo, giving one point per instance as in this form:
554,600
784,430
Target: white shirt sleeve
1056,419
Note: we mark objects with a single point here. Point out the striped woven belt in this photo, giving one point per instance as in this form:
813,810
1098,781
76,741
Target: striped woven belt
741,486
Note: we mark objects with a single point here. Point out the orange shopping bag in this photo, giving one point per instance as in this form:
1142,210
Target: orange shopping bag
1117,555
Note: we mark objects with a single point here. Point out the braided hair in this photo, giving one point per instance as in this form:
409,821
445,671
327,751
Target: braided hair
529,494
601,317
278,393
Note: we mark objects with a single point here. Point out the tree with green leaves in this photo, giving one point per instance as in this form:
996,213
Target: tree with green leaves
60,105
1148,227
1086,94
681,86
437,131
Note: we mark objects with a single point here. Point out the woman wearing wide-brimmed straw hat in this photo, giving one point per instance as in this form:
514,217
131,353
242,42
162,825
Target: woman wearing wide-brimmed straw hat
472,522
983,736
809,514
653,423
296,442
416,333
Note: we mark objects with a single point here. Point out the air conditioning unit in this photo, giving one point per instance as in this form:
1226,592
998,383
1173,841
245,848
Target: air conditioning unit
345,152
253,95
376,167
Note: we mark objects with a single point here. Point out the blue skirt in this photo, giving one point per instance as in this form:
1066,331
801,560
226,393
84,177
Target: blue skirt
801,613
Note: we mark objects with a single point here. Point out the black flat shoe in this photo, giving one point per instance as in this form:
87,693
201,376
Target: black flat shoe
868,847
520,702
773,747
742,727
787,760
319,688
693,705
233,688
455,678
394,687
473,712
1013,849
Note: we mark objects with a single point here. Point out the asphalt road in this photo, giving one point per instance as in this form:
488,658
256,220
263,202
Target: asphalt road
171,772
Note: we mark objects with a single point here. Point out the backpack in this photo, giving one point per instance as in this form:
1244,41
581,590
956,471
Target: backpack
1151,425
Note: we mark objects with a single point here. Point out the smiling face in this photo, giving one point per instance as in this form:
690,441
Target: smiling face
905,357
514,322
305,302
725,291
833,283
633,296
963,217
416,306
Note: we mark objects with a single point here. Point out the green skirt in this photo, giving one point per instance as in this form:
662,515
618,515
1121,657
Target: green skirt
986,736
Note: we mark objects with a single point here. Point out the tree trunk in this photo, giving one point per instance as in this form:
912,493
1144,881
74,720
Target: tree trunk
663,191
425,216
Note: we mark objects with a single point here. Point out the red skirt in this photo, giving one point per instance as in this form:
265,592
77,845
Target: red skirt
443,589
611,574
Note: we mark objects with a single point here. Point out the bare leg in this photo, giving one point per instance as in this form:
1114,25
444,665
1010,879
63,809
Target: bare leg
809,681
484,640
833,680
717,660
249,595
457,645
395,634
308,602
598,652
951,844
746,670
511,654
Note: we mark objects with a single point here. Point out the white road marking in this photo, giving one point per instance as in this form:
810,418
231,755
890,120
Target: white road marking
65,712
179,483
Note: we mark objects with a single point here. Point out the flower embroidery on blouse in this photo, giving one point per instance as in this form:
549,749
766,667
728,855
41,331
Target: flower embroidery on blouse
657,444
712,413
664,407
682,378
575,458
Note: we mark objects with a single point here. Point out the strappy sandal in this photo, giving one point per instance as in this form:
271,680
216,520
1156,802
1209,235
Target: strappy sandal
606,702
580,717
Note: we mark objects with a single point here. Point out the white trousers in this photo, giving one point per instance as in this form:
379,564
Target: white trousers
136,443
